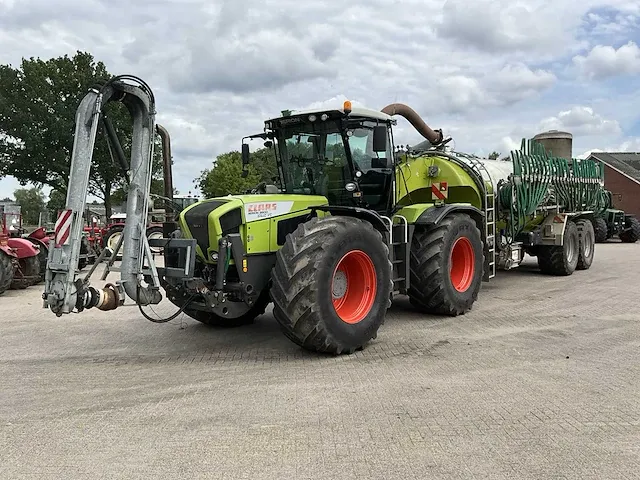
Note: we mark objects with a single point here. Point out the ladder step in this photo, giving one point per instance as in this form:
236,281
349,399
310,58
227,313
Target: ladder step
399,279
397,262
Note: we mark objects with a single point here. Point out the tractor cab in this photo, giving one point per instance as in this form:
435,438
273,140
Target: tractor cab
345,155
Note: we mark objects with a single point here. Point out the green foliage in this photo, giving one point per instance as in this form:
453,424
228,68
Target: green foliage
494,155
38,102
57,201
225,177
31,201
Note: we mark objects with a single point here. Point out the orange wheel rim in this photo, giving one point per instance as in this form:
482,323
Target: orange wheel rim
462,264
353,286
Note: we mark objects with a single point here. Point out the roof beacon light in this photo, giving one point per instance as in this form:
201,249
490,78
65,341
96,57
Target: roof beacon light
347,106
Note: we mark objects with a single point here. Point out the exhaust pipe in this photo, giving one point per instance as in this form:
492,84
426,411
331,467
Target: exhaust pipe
434,136
169,225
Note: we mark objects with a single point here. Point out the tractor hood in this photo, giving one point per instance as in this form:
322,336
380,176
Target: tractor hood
208,220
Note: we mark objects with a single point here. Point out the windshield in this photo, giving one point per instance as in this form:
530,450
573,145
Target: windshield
314,159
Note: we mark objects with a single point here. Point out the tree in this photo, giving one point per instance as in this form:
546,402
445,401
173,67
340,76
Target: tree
494,155
31,201
226,175
57,201
38,102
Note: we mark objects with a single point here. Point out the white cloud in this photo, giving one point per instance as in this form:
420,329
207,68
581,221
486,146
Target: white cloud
606,61
487,72
580,120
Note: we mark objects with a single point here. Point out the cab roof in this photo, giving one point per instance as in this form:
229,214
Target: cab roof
355,112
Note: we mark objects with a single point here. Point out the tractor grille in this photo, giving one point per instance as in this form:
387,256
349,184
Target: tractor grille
197,219
230,222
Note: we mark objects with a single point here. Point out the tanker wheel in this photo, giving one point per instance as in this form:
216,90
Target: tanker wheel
586,242
633,233
238,313
600,229
6,272
331,285
446,266
561,260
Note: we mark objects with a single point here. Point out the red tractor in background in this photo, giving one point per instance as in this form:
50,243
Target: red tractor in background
113,231
20,257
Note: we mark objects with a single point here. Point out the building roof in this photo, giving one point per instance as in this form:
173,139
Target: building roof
626,163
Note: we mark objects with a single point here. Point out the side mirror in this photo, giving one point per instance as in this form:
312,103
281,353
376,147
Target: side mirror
380,138
245,159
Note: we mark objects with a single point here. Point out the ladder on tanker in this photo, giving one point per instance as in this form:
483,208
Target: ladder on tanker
489,210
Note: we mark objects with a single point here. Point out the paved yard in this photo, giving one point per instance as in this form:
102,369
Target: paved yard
540,380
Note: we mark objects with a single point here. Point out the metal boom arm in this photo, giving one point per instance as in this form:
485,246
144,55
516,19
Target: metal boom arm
63,290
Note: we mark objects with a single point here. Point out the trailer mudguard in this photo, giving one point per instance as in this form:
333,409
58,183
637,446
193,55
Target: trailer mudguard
361,213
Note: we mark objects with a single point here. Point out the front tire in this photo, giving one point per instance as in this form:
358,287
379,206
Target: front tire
632,231
331,285
446,266
600,230
586,244
561,260
155,233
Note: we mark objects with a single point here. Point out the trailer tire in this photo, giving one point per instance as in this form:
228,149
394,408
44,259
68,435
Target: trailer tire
446,266
561,260
632,235
6,272
586,242
331,285
600,229
214,320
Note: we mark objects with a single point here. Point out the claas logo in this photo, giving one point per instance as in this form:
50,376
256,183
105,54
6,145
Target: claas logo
262,207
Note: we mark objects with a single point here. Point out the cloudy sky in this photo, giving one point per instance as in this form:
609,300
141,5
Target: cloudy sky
487,72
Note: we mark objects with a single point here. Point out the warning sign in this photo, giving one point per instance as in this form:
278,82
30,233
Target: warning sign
439,190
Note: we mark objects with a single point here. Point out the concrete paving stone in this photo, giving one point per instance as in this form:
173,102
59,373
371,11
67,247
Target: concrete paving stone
541,380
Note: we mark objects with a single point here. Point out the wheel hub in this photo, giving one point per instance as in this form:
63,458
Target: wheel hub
353,286
339,287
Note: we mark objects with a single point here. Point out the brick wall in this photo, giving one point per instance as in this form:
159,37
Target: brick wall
625,192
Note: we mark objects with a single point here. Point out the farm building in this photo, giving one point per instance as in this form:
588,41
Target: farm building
622,178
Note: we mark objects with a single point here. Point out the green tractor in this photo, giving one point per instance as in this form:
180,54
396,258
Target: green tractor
612,222
350,223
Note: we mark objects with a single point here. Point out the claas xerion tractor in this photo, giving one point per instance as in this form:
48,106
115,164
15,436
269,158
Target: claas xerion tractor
349,224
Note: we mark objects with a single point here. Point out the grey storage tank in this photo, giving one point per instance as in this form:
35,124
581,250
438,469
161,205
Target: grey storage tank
556,143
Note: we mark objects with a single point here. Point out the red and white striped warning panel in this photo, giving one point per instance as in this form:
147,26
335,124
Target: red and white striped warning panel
62,229
439,190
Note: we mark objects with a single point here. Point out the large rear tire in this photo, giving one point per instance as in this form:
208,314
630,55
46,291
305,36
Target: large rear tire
446,266
331,285
561,260
6,272
632,235
600,230
586,244
28,274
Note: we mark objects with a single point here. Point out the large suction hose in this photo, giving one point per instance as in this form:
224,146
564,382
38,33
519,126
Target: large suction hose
434,136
